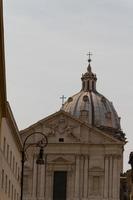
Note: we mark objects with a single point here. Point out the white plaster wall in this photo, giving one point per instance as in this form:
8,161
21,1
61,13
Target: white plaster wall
6,132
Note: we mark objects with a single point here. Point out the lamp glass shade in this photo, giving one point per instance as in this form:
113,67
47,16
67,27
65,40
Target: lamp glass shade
40,160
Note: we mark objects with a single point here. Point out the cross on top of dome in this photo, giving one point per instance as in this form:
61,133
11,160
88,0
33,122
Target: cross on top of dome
89,54
63,99
89,61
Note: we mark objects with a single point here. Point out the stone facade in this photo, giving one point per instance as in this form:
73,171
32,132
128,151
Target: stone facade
91,158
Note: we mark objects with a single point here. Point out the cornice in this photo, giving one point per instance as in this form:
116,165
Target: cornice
13,126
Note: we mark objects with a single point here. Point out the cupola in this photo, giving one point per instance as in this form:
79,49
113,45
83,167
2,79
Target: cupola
92,107
89,78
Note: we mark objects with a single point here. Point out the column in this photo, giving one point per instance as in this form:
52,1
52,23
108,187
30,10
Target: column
106,176
86,177
115,176
110,176
77,179
73,183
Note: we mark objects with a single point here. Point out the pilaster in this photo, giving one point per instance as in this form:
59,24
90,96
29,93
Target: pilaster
81,175
42,181
77,178
49,186
106,176
86,176
110,176
115,177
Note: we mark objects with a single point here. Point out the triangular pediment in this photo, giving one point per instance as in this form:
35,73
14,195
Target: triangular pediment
60,160
62,127
51,118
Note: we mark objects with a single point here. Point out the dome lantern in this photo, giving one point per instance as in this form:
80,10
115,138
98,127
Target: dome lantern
89,78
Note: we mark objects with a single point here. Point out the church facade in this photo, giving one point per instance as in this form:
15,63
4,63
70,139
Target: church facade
84,156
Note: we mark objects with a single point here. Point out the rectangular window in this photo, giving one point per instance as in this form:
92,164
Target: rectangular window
96,184
61,139
13,163
9,188
16,170
4,146
2,181
12,193
6,184
11,159
7,152
18,173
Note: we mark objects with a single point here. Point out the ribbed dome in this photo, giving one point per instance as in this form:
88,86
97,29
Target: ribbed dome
90,106
93,108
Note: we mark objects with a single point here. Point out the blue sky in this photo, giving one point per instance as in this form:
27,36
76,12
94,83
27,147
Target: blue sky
46,45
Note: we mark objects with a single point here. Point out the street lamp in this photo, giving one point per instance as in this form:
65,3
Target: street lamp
40,161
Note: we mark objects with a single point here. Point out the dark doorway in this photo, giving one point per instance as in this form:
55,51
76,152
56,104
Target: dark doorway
59,187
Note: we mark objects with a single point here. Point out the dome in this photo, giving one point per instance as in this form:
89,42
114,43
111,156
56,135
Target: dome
91,106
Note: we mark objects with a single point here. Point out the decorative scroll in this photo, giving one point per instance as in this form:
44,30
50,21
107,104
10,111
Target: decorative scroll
61,127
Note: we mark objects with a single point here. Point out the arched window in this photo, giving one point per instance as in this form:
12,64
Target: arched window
88,85
93,85
83,85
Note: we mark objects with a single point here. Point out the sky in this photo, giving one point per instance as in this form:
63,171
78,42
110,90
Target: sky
46,42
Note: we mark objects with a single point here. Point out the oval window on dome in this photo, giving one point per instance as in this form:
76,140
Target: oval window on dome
85,98
70,99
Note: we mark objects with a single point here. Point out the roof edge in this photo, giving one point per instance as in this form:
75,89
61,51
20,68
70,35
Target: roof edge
13,125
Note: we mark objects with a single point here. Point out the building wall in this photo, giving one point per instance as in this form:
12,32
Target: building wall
10,165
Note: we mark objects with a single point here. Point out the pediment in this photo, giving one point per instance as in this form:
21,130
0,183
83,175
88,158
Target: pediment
60,160
62,125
